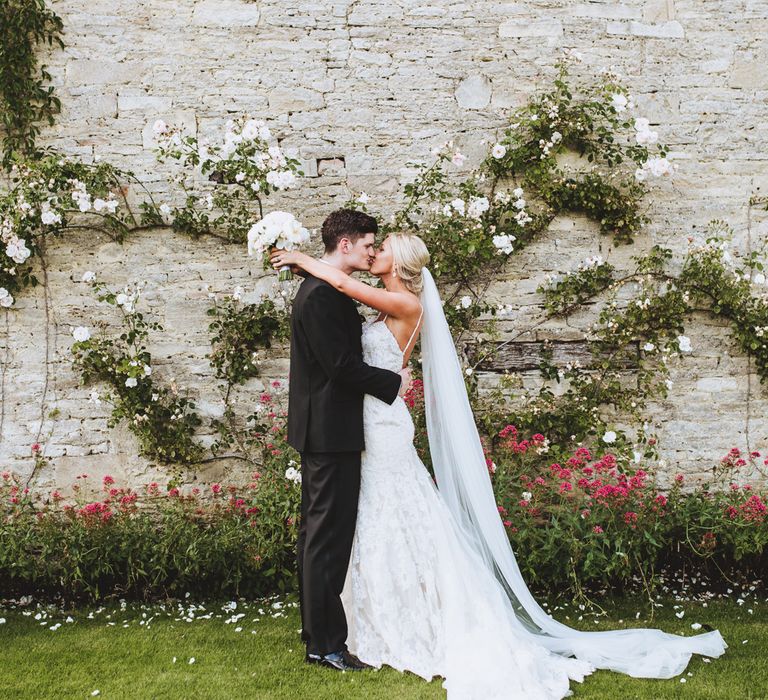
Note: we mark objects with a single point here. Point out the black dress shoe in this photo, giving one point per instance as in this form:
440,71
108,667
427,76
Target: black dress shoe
357,661
339,661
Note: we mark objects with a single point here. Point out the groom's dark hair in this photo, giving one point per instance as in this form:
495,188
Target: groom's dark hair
346,223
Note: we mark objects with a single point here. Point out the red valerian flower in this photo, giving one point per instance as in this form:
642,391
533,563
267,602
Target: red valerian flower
630,517
754,509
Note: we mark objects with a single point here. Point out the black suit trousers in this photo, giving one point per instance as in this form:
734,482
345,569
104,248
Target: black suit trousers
330,486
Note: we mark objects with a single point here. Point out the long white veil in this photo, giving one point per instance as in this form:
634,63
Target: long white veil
465,486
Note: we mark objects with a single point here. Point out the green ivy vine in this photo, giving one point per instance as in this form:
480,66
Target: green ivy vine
26,97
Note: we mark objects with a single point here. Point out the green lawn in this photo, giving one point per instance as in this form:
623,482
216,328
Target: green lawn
133,657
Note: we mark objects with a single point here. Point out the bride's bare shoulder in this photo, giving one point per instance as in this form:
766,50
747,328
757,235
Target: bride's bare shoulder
409,305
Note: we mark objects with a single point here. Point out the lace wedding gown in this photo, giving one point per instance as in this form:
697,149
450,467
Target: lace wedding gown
433,585
417,596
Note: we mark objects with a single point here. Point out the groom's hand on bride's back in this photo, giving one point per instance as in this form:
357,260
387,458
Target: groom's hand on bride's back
405,380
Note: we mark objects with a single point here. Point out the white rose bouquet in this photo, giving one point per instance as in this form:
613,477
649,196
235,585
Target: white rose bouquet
278,229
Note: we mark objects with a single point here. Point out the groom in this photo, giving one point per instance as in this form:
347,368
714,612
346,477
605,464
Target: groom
328,380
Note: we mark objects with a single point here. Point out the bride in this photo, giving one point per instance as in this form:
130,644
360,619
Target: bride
433,586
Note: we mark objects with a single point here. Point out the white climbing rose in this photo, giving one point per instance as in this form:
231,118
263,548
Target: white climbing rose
81,334
49,217
458,159
293,474
504,243
17,250
619,102
477,206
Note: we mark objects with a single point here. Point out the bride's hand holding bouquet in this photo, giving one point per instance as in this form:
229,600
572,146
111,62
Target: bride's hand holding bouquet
278,231
292,259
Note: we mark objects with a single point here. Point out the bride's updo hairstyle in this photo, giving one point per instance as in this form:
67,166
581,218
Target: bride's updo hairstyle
409,255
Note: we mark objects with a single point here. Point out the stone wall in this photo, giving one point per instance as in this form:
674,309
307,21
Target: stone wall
358,89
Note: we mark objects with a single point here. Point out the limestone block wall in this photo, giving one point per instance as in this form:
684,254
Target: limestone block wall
358,89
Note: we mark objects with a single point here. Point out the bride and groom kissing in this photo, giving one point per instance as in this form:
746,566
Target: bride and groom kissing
394,569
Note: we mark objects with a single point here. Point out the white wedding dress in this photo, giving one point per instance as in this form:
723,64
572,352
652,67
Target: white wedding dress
417,597
420,593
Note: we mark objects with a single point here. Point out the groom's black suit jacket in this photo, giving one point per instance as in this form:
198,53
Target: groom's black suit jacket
328,377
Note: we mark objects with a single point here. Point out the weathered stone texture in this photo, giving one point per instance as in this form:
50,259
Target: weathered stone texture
359,89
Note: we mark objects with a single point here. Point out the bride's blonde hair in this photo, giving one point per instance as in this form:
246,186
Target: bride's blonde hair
409,255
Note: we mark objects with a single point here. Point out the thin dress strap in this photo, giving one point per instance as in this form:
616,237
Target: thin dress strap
408,344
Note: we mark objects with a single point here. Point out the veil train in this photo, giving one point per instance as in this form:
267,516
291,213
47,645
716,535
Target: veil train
464,484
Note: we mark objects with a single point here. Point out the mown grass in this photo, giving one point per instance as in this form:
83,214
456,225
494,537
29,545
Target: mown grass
133,656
